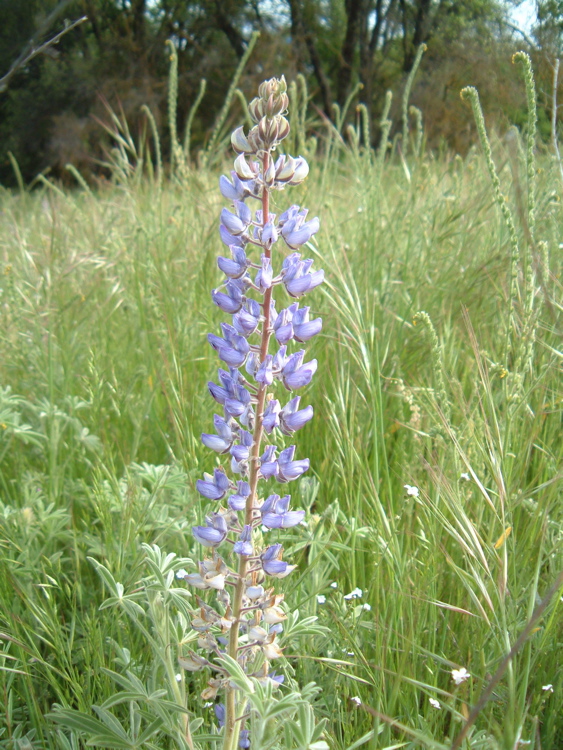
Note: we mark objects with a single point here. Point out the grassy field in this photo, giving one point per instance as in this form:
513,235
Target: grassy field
104,313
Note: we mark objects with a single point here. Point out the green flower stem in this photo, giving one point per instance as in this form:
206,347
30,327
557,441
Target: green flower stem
524,59
406,95
437,364
471,93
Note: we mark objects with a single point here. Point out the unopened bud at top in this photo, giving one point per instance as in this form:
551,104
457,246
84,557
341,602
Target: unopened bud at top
272,99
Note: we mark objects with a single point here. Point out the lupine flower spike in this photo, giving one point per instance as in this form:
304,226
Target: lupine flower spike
258,351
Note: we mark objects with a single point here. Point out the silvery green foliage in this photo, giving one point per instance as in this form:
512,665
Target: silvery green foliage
260,347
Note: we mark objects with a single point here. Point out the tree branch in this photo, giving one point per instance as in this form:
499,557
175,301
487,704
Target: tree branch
31,50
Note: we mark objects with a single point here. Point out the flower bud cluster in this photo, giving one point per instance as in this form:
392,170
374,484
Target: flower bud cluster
248,616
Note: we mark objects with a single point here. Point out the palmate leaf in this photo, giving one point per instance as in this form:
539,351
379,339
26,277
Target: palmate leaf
78,721
113,724
110,741
108,733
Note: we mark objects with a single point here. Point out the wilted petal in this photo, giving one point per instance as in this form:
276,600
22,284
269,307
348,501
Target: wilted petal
271,651
254,592
194,579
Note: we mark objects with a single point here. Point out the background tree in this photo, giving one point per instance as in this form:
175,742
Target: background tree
48,115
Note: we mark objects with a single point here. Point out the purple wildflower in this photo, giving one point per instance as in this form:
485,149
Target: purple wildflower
276,514
221,442
237,501
244,544
283,324
220,713
265,374
288,469
264,276
236,266
292,418
294,229
298,278
238,222
272,564
213,487
268,463
213,533
243,344
237,190
271,418
245,322
241,452
303,328
295,374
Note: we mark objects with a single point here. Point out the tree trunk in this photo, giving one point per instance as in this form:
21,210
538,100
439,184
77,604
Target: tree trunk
419,35
300,36
236,40
138,10
349,46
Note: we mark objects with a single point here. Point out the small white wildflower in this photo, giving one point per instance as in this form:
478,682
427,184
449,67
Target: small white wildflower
367,607
350,653
460,675
412,491
355,594
547,688
208,704
356,700
181,573
321,598
465,476
434,702
334,585
178,677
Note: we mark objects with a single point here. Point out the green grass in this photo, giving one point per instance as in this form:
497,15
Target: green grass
104,311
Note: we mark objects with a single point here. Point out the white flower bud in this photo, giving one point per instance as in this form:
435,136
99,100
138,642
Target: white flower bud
287,170
301,171
270,174
240,142
242,168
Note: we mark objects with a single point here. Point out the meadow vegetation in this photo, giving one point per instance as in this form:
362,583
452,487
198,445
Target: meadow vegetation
435,498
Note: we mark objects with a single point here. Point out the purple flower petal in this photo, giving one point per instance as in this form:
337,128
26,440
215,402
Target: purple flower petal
306,331
301,377
215,443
